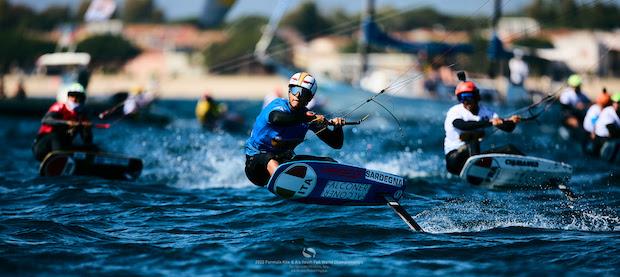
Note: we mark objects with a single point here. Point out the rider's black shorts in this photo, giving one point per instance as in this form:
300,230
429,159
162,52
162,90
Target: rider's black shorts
256,166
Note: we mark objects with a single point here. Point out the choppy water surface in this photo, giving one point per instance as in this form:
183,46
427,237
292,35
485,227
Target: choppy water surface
193,212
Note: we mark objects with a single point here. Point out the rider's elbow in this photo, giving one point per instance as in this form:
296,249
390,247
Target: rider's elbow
338,145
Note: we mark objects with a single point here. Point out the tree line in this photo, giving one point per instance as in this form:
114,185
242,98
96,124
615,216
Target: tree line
20,16
21,23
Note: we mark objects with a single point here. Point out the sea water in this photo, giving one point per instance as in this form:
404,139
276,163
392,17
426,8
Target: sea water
193,212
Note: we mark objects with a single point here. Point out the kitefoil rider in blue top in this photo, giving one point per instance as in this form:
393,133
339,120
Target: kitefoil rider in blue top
282,125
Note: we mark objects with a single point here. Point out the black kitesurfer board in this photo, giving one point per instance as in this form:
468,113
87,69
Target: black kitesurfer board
100,164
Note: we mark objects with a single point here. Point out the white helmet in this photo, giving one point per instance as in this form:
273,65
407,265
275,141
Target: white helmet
73,88
304,80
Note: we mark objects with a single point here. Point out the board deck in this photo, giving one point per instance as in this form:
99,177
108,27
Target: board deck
331,183
504,170
105,165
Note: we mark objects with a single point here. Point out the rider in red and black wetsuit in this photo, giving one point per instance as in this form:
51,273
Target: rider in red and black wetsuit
62,122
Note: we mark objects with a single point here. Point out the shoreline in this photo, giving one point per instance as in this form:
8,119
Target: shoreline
230,87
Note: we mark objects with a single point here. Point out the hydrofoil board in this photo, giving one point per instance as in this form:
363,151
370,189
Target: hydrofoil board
505,170
104,165
331,183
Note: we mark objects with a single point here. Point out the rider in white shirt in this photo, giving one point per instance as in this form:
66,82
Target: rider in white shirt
602,100
470,116
608,124
574,103
591,145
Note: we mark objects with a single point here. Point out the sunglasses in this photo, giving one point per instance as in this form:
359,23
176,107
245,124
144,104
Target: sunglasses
466,98
301,93
77,95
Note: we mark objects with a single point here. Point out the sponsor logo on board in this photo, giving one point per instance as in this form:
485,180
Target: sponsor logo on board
521,163
345,190
340,172
384,178
296,181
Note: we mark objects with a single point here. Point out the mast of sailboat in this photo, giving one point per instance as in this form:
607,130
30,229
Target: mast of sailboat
364,47
497,14
495,65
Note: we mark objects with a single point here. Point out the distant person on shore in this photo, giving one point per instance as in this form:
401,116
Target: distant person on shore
574,103
518,68
440,80
2,94
465,124
62,123
282,125
518,74
20,92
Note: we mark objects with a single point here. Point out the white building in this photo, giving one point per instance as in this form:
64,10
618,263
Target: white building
592,52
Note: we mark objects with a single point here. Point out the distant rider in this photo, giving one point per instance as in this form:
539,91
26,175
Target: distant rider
208,111
137,101
574,104
471,118
602,100
62,122
608,124
282,125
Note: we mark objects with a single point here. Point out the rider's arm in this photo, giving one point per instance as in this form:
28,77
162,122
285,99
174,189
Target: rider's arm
52,118
334,138
470,125
614,130
280,118
507,126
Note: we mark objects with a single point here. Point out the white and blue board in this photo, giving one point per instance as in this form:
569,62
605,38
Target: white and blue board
505,170
330,183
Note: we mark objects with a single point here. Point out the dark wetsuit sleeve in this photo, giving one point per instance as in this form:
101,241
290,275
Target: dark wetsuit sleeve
334,138
470,125
280,118
87,135
614,130
52,119
507,126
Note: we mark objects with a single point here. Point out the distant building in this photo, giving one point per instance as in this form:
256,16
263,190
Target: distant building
169,50
322,57
593,52
433,34
512,28
171,37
